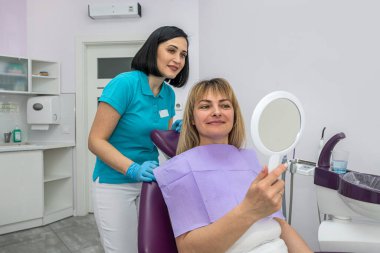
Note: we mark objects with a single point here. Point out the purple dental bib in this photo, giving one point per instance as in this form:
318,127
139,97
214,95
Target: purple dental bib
203,184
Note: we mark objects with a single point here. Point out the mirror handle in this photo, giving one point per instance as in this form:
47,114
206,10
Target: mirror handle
274,161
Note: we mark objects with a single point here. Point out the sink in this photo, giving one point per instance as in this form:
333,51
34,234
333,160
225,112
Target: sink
364,208
361,192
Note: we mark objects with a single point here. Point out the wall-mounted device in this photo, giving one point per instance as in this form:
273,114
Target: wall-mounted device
42,111
104,11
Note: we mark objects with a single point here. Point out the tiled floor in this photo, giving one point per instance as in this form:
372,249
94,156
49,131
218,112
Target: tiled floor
74,234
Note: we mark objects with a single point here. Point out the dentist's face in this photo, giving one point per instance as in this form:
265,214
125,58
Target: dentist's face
213,118
171,57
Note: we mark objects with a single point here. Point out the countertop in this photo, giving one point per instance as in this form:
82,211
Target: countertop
24,146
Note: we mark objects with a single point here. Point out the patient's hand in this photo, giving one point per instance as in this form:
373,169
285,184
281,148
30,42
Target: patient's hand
264,196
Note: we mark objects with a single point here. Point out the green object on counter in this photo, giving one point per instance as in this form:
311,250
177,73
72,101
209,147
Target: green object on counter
17,134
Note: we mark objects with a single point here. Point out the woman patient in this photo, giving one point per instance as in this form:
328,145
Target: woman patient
219,198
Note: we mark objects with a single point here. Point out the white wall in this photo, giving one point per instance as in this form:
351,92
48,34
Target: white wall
325,52
13,33
53,27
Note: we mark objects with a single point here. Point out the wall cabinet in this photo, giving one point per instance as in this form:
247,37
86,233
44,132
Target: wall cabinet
29,76
36,188
13,74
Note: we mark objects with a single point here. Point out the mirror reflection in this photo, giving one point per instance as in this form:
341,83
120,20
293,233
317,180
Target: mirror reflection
279,124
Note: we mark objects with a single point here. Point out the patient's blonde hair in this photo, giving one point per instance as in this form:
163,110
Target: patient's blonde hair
189,137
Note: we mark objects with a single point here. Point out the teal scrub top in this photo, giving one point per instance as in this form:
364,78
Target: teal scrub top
141,112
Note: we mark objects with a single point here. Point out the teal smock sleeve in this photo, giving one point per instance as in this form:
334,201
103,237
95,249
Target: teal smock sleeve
118,93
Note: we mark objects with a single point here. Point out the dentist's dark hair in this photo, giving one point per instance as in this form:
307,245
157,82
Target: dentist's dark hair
145,59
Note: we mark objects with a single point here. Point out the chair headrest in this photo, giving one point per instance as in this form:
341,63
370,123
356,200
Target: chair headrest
166,141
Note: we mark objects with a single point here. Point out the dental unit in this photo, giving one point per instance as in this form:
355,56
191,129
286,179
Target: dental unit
352,202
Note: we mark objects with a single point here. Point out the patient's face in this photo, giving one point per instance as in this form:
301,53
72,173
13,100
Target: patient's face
213,118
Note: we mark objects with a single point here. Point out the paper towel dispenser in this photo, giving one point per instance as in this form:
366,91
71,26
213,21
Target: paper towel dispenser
43,111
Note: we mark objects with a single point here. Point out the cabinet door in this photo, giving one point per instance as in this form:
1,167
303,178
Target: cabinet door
21,186
13,74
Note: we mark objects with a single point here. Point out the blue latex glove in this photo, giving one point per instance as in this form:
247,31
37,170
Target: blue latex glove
143,172
177,125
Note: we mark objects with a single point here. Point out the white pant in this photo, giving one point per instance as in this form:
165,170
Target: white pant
116,214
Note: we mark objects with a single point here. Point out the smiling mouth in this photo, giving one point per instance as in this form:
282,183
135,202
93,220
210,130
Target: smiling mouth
173,68
215,122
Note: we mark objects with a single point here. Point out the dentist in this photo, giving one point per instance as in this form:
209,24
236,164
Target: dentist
130,107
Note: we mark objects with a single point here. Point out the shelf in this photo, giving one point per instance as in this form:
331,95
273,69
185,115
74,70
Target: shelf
58,195
57,164
58,182
43,93
24,75
45,84
15,92
44,77
13,75
51,178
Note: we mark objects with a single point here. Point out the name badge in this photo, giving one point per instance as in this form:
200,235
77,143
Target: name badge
164,113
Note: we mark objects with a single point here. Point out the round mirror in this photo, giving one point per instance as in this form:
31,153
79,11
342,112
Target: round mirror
276,125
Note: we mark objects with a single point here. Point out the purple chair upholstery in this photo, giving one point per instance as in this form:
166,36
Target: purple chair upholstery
166,141
155,233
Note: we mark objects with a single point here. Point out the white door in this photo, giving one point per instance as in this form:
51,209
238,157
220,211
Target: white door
103,62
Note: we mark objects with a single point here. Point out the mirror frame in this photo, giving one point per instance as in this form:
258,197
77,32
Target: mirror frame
275,156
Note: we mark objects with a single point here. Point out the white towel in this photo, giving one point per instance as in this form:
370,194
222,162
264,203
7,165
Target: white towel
261,237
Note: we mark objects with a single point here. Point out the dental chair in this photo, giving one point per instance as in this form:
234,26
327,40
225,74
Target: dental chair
155,233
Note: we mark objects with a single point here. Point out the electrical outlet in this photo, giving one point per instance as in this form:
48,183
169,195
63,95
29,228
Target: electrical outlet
178,106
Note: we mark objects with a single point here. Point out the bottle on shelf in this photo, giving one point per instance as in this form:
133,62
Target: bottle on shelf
17,134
